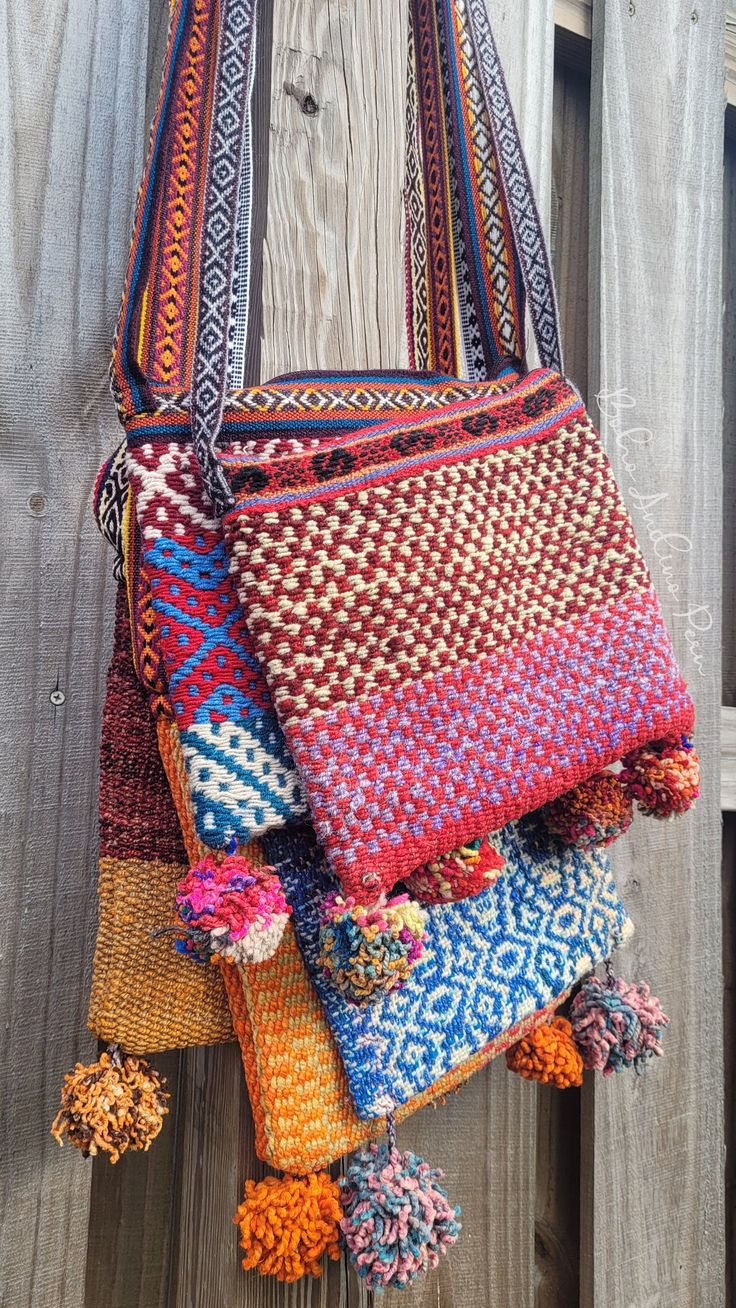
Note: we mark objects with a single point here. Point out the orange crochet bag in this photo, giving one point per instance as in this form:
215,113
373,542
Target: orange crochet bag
142,997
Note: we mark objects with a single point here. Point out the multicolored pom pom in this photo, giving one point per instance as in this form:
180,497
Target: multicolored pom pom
617,1025
463,872
287,1225
663,777
108,1107
548,1054
367,952
595,812
396,1217
232,909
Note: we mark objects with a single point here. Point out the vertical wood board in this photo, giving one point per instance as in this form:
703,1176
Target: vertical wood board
72,80
653,1161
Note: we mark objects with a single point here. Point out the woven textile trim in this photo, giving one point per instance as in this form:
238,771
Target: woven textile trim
488,961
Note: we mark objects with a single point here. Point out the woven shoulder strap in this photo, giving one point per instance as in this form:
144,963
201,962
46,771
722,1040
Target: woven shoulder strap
475,250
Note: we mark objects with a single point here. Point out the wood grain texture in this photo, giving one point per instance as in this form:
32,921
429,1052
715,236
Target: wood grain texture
728,759
333,272
524,33
72,80
570,216
131,1207
653,1148
729,420
333,297
729,1021
485,1137
576,16
557,1214
332,278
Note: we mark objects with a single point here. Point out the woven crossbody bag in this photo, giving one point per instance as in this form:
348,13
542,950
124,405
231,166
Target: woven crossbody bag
453,616
241,776
491,969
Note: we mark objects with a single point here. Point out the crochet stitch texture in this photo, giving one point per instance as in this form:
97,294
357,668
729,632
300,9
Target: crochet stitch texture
455,620
487,962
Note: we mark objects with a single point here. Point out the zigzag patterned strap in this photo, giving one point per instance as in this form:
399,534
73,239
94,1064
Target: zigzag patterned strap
474,237
223,194
531,247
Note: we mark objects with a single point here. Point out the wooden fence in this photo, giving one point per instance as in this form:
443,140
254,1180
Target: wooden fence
612,1196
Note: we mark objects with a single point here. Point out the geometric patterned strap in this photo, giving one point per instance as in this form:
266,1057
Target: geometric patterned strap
475,249
476,253
222,192
521,206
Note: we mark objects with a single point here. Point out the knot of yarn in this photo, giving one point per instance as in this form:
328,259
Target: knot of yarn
396,1216
231,909
663,777
115,1104
548,1054
595,812
462,872
288,1223
617,1024
367,952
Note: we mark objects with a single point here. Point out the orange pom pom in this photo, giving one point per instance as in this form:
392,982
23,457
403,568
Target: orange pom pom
548,1054
115,1104
288,1223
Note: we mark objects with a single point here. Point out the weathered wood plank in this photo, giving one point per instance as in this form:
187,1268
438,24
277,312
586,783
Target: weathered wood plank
72,85
570,216
576,16
728,760
729,1019
129,1241
333,273
485,1137
729,419
653,1161
331,297
524,33
557,1215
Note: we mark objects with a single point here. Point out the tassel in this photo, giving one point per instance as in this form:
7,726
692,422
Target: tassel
367,952
617,1025
547,1054
595,812
663,777
463,872
396,1217
115,1104
233,910
288,1223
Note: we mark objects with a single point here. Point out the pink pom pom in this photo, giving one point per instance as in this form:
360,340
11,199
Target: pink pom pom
397,1220
617,1024
663,777
232,909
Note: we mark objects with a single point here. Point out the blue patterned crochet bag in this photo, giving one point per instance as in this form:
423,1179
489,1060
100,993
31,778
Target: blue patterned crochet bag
488,962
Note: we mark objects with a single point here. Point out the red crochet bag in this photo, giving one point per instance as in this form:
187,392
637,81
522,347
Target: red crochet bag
454,619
